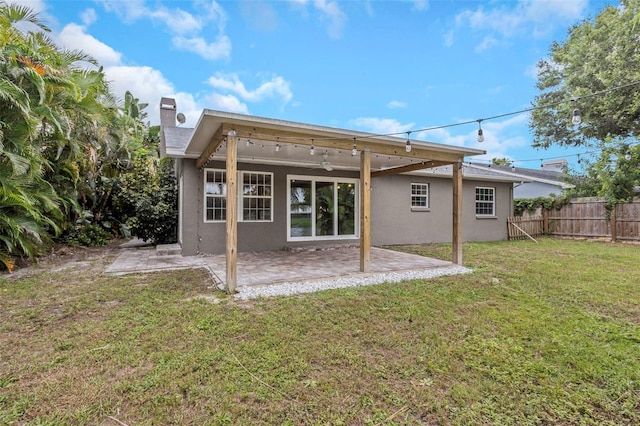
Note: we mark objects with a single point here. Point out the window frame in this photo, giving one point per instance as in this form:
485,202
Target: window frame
426,196
207,196
335,181
241,196
492,202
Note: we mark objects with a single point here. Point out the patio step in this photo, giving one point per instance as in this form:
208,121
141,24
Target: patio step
168,249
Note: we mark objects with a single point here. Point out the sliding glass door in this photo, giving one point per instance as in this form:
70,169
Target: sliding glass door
321,208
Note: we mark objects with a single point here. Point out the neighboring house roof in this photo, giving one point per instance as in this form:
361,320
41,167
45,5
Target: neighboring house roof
471,173
520,174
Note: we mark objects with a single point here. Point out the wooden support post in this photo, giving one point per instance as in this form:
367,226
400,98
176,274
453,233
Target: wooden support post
365,211
456,239
232,213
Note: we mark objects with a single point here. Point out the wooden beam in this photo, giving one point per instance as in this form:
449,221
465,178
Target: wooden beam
345,144
365,211
456,239
232,214
215,142
409,168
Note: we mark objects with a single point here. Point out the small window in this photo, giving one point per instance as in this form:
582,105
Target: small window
256,196
485,201
420,195
215,192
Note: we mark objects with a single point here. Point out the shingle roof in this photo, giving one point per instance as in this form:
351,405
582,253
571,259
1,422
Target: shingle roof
176,139
531,174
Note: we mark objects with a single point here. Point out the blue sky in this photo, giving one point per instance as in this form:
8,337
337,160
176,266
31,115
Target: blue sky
377,66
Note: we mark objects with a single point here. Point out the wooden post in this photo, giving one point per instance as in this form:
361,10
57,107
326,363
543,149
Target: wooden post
232,213
613,222
456,239
365,211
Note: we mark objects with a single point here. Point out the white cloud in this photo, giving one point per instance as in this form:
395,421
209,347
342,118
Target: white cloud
219,49
228,103
421,5
526,17
88,17
186,27
380,126
277,87
74,37
486,43
331,11
396,104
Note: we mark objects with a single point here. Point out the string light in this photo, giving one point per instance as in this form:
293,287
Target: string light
627,156
576,118
480,135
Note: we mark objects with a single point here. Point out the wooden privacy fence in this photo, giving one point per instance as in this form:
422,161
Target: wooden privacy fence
582,218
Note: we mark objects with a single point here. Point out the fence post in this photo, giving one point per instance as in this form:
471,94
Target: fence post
545,221
613,224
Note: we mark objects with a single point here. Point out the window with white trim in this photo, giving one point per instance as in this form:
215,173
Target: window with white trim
485,201
419,195
322,208
215,195
255,196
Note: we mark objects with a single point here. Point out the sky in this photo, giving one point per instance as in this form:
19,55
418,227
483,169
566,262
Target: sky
374,66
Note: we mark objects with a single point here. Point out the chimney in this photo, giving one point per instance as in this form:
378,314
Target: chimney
167,112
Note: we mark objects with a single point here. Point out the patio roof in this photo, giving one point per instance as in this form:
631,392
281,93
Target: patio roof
273,141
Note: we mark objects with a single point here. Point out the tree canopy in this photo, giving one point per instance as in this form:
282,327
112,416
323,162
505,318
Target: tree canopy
68,148
599,55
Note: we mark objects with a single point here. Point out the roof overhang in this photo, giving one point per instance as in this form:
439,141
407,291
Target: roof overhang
272,141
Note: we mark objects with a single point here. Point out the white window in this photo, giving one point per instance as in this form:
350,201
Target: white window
255,196
322,208
215,195
419,195
485,201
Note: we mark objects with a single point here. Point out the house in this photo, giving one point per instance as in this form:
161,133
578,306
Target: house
548,180
251,184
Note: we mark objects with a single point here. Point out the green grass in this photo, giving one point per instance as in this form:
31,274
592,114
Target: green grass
543,333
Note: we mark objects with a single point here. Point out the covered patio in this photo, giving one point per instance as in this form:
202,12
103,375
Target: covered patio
234,138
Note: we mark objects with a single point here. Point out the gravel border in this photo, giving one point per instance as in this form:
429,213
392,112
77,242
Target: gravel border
289,288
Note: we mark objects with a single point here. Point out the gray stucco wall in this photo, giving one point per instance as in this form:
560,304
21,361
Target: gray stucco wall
392,220
202,237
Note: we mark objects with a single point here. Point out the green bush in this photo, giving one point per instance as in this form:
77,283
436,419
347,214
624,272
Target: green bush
156,211
88,235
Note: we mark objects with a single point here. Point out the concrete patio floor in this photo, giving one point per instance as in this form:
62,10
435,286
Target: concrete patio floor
273,267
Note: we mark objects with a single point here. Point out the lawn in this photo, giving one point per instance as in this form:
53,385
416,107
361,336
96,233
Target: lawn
543,333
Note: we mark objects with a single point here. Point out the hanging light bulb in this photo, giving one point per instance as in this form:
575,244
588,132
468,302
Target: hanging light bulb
576,118
312,150
627,156
513,168
277,147
480,135
408,146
